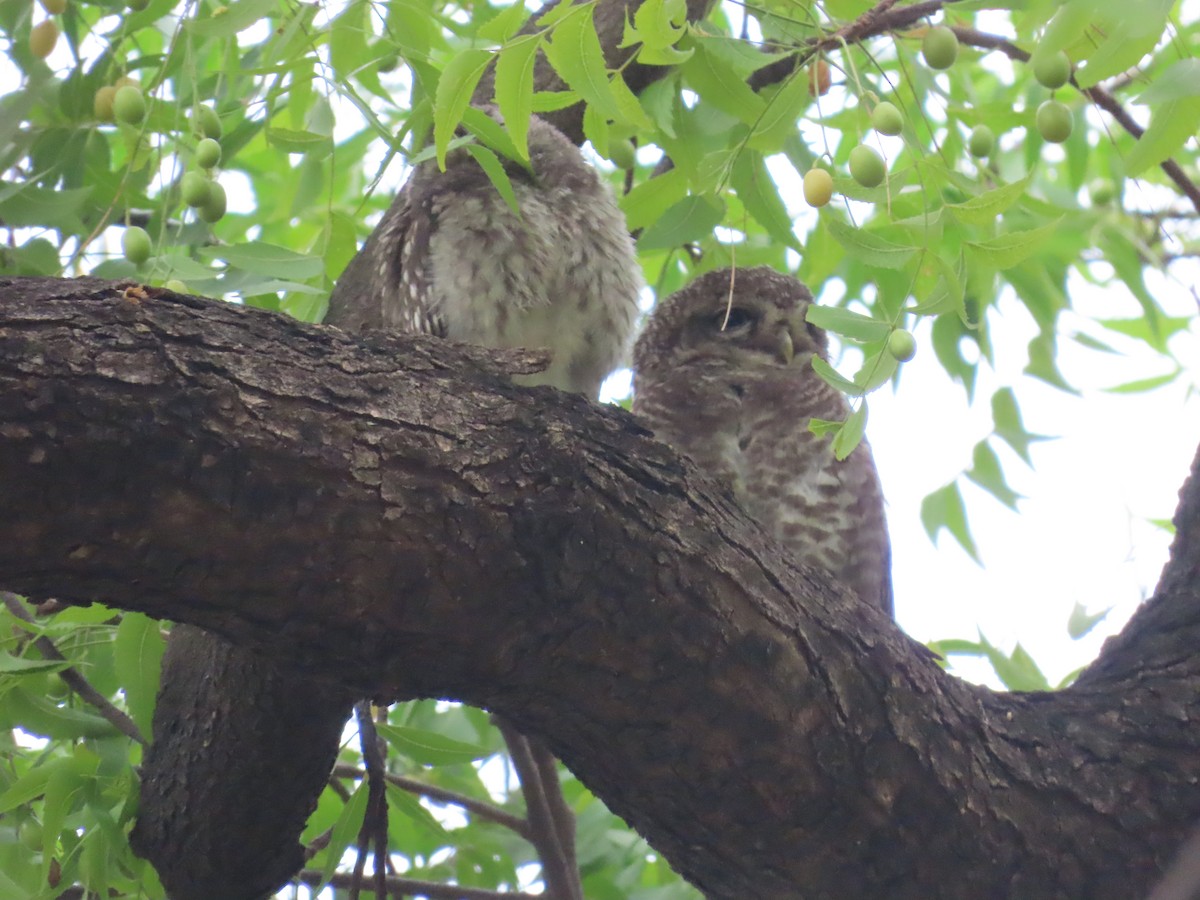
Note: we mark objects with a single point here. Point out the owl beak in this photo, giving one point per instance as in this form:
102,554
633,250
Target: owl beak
785,349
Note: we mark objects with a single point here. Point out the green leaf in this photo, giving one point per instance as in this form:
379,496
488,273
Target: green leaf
514,88
1009,249
574,52
691,219
715,80
877,369
1081,622
37,716
1129,36
1171,125
411,807
1007,424
1043,362
943,509
848,323
1142,385
18,665
494,169
866,247
850,435
760,195
833,377
137,653
263,259
348,825
429,747
1178,81
230,18
453,96
983,209
28,205
1018,672
986,472
503,26
650,200
784,106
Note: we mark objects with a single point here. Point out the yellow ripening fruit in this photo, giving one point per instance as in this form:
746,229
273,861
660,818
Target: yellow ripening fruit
135,244
54,7
1054,121
939,47
1052,70
902,345
819,79
886,118
102,103
214,209
981,142
42,38
818,187
866,166
129,105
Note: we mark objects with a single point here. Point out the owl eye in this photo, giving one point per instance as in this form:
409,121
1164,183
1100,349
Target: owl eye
733,320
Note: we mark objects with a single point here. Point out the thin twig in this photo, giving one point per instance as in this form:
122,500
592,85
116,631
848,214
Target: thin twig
562,880
441,795
342,880
375,826
72,676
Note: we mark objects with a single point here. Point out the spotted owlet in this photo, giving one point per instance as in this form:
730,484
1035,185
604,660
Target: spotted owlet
451,258
723,372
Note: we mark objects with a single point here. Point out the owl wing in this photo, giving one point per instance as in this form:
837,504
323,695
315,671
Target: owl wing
387,284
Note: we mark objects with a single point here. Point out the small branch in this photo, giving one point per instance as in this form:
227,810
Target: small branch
421,789
562,881
375,823
73,677
402,886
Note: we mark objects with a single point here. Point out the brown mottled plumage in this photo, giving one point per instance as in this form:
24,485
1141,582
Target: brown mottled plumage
451,258
725,376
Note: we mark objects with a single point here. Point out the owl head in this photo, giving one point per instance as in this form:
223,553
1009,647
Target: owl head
745,318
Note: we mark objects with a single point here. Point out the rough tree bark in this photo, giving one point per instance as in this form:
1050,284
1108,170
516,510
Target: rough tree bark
531,553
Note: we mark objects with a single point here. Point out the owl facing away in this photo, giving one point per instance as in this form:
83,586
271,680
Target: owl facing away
451,258
723,373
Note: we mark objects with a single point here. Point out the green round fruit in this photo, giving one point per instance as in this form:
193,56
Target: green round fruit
208,153
902,345
982,141
886,119
388,62
102,103
129,105
866,166
42,38
1102,191
135,243
214,209
206,123
940,47
622,153
1054,121
194,188
174,284
818,187
32,835
1052,70
56,688
54,7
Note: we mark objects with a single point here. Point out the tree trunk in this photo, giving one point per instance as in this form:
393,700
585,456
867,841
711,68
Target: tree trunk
394,511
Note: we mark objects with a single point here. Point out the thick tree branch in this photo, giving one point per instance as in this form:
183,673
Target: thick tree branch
393,511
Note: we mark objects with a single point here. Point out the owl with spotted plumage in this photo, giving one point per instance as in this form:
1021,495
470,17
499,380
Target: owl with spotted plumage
450,257
723,373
